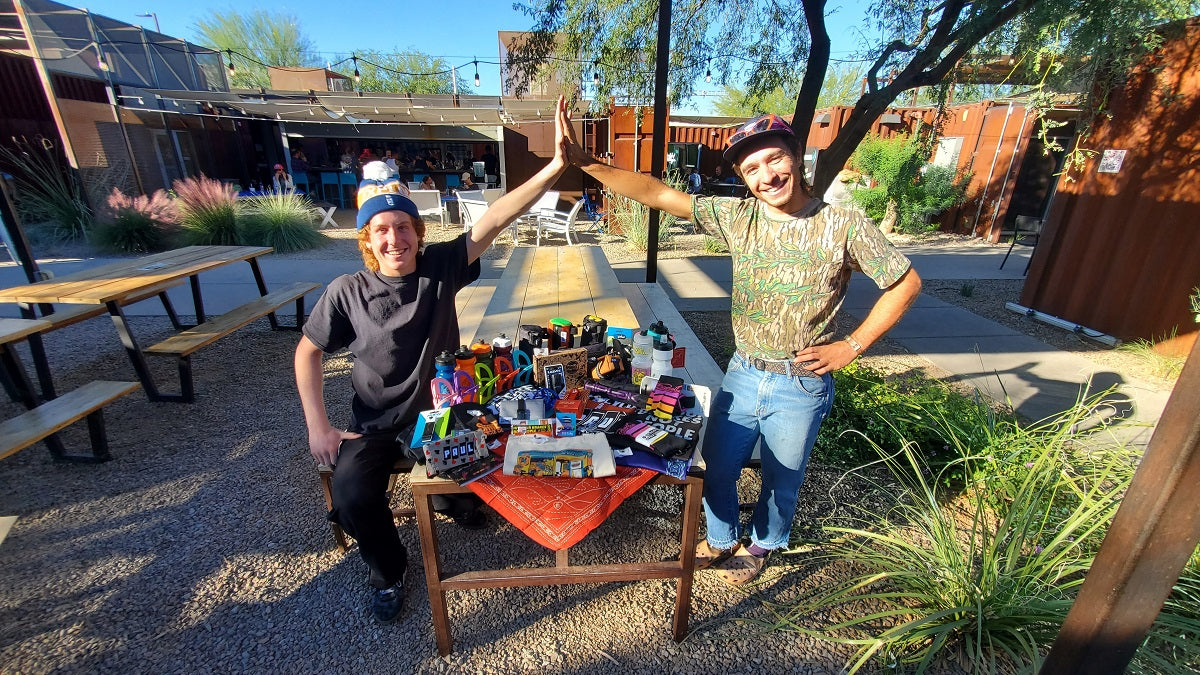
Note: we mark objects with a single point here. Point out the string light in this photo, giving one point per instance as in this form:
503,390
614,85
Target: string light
596,73
708,72
476,62
357,75
229,53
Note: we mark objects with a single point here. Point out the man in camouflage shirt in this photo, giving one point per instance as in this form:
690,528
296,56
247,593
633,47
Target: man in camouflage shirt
792,258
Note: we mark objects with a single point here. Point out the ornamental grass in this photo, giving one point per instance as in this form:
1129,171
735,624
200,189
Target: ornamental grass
208,211
47,189
980,577
138,224
285,221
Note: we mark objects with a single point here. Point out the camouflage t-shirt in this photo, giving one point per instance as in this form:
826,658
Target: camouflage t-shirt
790,275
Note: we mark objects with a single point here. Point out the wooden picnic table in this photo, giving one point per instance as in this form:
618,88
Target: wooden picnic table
122,283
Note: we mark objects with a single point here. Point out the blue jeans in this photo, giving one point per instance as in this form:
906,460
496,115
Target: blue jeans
785,412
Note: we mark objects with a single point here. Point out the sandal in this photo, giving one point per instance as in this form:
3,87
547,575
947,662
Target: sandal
741,568
707,556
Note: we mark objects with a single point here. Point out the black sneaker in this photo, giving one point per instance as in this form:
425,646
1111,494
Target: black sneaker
386,603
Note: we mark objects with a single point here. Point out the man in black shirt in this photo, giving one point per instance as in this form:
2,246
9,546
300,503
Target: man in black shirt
395,316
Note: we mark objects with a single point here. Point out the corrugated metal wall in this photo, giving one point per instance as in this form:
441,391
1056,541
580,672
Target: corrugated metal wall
1121,251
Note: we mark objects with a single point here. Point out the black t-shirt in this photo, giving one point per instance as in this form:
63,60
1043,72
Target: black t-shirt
394,326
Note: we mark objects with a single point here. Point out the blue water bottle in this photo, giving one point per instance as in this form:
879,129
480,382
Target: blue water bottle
443,365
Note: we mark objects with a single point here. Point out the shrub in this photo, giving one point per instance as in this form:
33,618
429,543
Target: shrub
285,222
908,193
207,211
871,412
48,190
136,224
986,579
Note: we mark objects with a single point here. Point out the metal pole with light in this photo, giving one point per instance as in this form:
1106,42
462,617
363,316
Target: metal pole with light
151,15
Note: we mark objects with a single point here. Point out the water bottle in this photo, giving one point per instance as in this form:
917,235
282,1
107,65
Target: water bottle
657,331
483,352
502,346
661,359
465,359
643,344
640,368
443,365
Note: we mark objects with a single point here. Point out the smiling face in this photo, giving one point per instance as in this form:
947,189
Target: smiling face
394,242
774,175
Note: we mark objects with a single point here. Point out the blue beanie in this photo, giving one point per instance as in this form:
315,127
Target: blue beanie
379,194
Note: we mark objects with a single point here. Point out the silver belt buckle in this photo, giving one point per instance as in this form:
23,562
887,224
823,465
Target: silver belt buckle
760,364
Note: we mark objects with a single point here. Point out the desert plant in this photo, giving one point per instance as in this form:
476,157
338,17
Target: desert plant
1194,304
284,221
207,211
632,218
874,411
47,188
136,224
967,290
988,577
1162,365
907,192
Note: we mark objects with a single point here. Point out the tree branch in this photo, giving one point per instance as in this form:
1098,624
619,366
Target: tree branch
814,72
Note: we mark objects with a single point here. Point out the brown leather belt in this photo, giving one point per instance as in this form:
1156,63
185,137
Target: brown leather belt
781,367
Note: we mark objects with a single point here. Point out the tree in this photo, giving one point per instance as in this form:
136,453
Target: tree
266,38
404,71
842,86
907,191
1077,45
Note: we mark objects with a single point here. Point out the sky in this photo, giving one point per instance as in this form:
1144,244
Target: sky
461,35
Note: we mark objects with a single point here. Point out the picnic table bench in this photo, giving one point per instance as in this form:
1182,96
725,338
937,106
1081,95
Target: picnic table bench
45,418
112,287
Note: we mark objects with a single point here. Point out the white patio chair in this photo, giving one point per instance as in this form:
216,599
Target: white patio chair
473,210
414,185
559,222
547,202
473,195
490,195
429,203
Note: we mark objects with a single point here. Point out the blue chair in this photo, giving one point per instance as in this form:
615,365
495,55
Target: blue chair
452,180
328,179
301,181
348,179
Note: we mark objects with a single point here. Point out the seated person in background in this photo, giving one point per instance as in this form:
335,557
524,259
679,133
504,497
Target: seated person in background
394,316
718,174
281,181
428,183
468,182
450,162
694,182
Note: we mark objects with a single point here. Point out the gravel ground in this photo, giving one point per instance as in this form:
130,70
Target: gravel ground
202,545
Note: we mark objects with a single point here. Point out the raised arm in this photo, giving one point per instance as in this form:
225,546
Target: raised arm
323,439
517,201
638,186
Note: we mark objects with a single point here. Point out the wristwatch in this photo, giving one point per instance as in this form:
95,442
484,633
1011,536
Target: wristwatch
854,344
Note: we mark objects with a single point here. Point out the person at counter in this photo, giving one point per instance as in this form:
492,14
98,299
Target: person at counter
282,181
491,163
389,158
468,182
394,316
428,183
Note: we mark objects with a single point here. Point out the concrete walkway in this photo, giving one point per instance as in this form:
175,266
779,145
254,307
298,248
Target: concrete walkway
1038,380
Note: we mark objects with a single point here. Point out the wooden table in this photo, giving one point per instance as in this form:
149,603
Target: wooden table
542,283
423,489
129,281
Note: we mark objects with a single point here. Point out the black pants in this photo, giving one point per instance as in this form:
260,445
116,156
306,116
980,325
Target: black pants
360,504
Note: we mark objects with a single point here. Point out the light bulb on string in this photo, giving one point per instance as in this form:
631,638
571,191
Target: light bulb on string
596,73
707,73
232,70
476,72
357,75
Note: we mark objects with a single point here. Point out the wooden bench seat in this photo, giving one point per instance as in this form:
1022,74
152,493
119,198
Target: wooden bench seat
183,345
87,401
